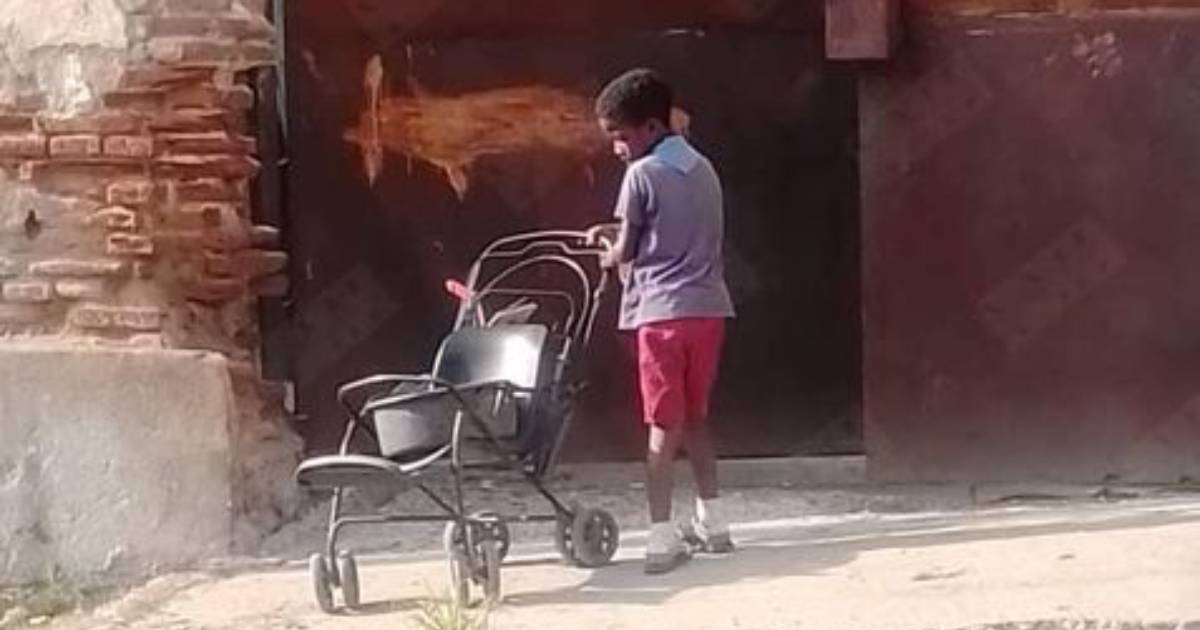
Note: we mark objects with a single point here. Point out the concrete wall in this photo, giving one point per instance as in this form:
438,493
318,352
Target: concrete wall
112,462
1031,302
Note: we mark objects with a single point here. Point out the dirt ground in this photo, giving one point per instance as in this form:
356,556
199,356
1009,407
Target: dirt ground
902,559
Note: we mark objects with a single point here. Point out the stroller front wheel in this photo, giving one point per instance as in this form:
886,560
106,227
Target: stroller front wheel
318,572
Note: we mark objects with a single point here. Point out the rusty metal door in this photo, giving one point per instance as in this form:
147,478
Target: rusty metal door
418,132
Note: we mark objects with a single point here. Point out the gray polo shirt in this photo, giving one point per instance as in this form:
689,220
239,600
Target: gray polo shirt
673,197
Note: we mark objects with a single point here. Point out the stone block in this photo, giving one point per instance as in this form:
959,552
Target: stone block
116,463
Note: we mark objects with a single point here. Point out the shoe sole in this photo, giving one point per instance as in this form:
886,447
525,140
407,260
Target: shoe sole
717,545
658,567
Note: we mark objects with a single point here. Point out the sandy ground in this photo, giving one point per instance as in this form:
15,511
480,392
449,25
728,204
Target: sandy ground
837,559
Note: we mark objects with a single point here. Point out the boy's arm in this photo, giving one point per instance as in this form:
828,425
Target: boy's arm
633,212
624,248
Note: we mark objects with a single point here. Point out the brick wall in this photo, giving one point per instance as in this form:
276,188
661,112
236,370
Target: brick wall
134,213
126,159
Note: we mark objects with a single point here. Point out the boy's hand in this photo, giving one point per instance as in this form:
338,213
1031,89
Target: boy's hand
603,234
610,258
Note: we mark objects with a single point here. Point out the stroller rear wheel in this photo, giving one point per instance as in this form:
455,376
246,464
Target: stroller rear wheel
595,536
348,571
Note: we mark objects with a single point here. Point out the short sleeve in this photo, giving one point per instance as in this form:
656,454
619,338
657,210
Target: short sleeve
633,202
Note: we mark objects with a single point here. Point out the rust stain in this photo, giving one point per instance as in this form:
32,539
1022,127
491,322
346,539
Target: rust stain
453,132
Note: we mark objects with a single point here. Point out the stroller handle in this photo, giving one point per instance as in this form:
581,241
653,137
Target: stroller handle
565,248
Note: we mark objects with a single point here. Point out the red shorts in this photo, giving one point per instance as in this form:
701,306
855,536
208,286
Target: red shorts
677,366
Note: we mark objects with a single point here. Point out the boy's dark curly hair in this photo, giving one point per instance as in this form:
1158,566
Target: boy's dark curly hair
636,97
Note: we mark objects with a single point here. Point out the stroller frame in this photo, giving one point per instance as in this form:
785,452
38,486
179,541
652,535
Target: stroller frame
477,542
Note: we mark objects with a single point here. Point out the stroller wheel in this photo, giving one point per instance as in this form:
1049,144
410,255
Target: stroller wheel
318,571
348,570
491,572
460,578
495,528
486,526
596,537
562,538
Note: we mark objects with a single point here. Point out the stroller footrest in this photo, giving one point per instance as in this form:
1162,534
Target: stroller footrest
336,471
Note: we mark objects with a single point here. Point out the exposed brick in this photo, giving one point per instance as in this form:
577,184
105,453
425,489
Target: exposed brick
159,76
129,146
238,97
215,290
16,123
131,192
179,241
245,26
102,122
196,6
270,286
22,314
115,218
83,145
125,244
9,268
143,100
98,316
24,145
190,120
79,267
206,189
81,289
193,51
207,213
27,291
257,54
264,236
211,142
256,263
218,264
181,25
198,166
228,238
194,95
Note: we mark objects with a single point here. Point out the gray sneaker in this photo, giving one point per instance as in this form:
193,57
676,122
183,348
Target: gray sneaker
695,536
658,563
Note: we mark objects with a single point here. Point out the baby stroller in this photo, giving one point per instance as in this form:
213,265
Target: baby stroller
498,399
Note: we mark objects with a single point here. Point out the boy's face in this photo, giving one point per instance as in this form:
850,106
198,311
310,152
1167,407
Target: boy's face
630,142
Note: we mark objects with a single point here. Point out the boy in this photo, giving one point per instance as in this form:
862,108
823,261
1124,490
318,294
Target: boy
674,298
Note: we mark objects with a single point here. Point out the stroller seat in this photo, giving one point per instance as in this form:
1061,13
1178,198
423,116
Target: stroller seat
413,422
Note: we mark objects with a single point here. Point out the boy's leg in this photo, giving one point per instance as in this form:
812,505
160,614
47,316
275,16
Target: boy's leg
660,466
661,364
706,338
